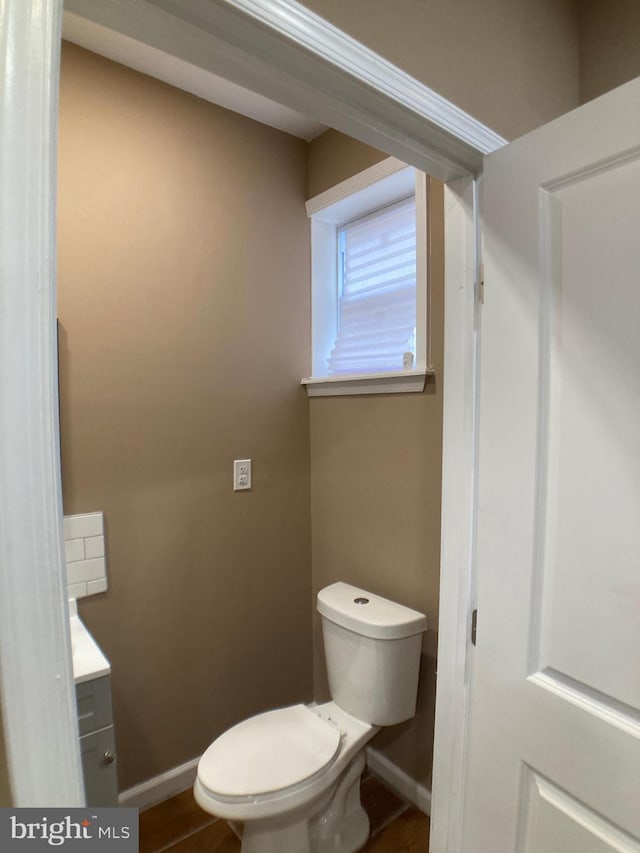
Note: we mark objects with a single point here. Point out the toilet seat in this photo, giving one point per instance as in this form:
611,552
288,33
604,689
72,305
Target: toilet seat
269,754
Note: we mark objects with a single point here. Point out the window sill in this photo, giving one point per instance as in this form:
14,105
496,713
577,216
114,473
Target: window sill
402,382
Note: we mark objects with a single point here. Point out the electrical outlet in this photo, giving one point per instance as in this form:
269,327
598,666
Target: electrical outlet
241,474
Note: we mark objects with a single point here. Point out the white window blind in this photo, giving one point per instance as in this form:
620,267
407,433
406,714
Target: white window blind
377,291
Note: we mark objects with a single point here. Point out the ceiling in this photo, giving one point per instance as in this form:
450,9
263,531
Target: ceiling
183,75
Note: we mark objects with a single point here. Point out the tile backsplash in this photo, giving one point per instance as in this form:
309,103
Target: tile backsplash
85,554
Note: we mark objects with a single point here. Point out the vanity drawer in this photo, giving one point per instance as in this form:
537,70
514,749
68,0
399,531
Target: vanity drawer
94,704
99,767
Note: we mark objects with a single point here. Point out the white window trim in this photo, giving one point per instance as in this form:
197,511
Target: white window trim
397,382
375,187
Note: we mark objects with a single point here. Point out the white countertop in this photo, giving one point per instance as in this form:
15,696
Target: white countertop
88,660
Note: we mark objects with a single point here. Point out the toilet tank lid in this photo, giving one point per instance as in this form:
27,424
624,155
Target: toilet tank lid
368,614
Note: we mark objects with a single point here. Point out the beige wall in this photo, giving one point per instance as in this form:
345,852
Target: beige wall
168,250
184,305
334,157
375,484
512,64
609,45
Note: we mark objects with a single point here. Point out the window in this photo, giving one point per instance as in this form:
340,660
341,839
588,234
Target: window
376,292
369,288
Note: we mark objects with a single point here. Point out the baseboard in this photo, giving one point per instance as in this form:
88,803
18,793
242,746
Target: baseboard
178,779
161,787
399,781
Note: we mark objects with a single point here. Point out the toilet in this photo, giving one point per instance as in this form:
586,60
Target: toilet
291,777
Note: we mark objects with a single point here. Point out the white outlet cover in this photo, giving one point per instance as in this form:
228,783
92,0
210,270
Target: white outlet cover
241,474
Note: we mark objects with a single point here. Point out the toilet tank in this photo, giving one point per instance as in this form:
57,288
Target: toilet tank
372,650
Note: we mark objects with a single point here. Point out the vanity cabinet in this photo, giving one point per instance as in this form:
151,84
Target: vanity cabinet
97,741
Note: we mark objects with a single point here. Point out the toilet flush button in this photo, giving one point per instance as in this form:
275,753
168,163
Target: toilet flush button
360,600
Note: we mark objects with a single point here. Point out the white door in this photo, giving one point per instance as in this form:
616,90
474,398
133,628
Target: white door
554,732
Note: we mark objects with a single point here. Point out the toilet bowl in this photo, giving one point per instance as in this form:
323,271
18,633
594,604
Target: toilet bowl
287,763
292,776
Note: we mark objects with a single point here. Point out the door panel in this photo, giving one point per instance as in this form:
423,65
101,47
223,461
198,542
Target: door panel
555,822
554,735
589,519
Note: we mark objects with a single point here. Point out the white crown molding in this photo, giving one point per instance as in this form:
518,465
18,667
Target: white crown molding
36,679
316,34
286,53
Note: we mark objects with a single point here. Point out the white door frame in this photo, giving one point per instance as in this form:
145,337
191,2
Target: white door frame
459,445
302,59
36,682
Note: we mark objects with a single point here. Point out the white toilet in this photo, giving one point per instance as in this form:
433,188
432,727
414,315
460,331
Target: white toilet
292,776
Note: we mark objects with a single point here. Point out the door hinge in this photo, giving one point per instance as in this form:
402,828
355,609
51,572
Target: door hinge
474,626
481,285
